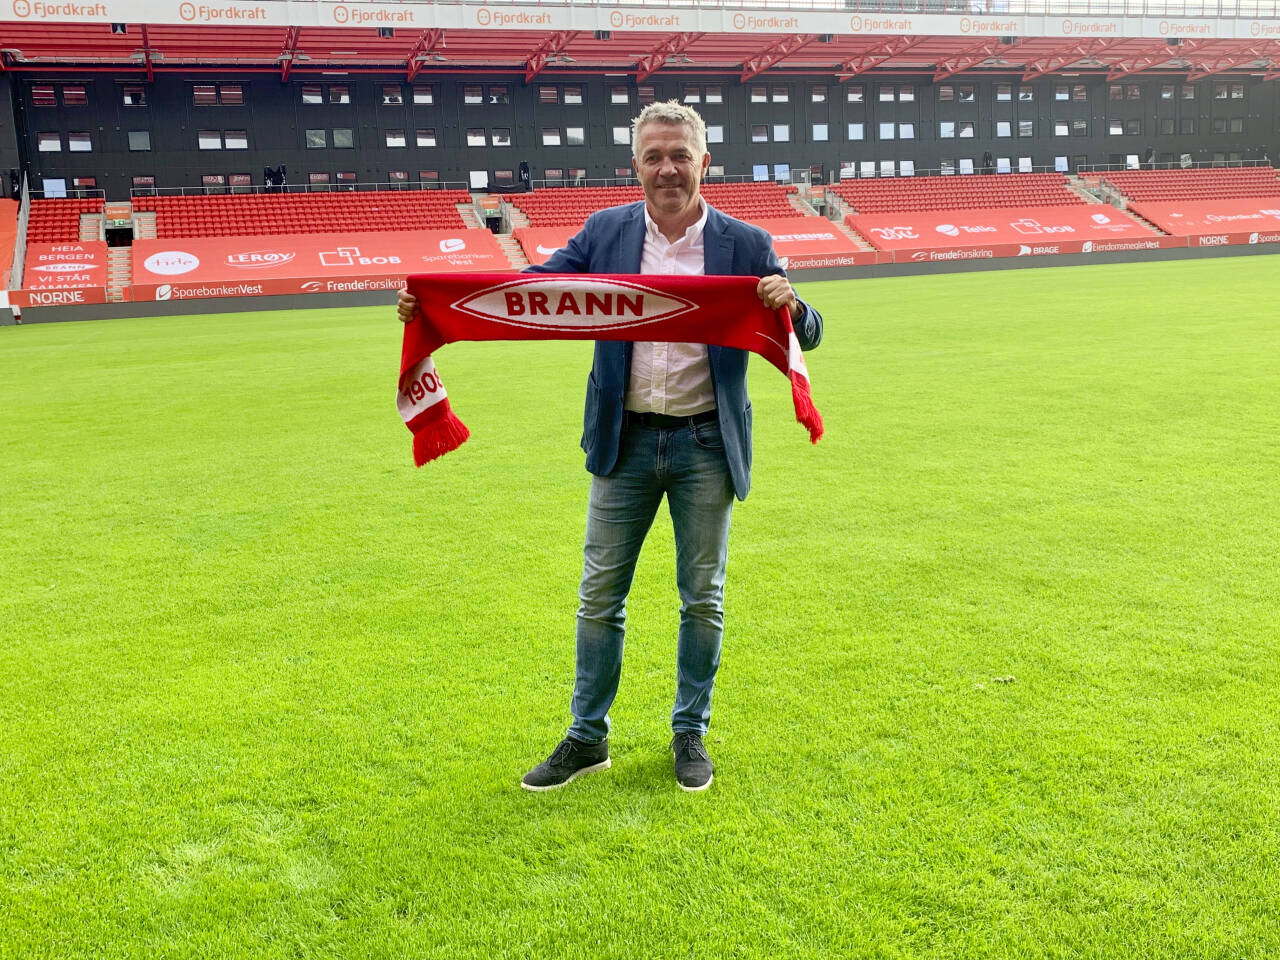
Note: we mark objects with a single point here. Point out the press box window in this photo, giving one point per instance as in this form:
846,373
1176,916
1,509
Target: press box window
74,96
346,176
476,137
236,139
426,137
49,142
820,133
1003,128
503,176
144,183
392,95
548,95
339,93
573,95
1026,128
204,95
551,136
906,94
398,176
501,137
209,139
759,133
1004,91
855,94
946,93
759,95
692,95
423,94
1061,128
857,131
473,94
131,96
714,94
619,95
139,140
946,130
499,93
781,132
317,140
715,133
317,178
344,138
395,138
886,131
1026,94
575,136
622,136
817,94
966,95
965,128
44,95
885,93
644,95
312,93
780,95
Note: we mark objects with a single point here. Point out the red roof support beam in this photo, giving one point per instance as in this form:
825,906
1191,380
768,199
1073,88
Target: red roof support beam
1150,57
426,45
146,56
765,59
1065,56
875,56
971,57
287,54
1235,58
548,48
656,59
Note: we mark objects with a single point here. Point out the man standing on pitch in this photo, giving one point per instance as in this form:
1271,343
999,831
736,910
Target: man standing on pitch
661,418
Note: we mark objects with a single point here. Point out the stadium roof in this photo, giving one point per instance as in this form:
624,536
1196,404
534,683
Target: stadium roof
418,54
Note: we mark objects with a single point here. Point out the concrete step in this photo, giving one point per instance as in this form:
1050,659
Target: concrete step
91,226
511,247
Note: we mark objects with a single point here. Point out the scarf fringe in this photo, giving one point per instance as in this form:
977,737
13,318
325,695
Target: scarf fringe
441,435
806,413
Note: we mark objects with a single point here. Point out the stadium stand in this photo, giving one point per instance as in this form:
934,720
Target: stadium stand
1197,184
292,213
58,221
981,191
570,206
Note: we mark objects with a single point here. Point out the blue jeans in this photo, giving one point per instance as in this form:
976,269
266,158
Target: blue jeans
688,465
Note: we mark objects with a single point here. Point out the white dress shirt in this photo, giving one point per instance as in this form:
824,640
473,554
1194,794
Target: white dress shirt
671,378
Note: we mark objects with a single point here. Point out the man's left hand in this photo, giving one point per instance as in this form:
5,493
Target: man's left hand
776,292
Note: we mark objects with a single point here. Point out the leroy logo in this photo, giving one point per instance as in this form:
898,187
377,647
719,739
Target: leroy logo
258,259
170,263
452,245
569,304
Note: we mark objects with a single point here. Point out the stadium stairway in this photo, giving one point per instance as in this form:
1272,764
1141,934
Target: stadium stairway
511,247
515,216
802,206
119,273
837,206
92,226
144,225
468,214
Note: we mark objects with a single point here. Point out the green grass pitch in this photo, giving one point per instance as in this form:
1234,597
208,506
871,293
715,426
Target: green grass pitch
1001,674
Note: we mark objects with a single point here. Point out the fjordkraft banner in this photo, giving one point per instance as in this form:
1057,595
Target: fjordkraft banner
180,269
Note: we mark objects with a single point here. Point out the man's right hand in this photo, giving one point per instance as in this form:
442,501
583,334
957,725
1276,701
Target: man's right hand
406,304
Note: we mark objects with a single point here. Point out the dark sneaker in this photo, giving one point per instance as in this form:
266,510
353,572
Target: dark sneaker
693,764
571,758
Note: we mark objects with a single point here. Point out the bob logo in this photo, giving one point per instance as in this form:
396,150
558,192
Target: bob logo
258,259
569,304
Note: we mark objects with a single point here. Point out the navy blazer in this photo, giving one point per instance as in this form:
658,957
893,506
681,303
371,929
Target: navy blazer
612,241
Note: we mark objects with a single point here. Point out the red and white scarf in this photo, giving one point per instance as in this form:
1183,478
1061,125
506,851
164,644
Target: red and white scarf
724,311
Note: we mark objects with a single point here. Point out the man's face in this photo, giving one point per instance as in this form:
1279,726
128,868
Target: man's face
669,167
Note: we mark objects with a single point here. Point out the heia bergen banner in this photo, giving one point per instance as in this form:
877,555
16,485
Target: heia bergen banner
63,266
179,269
1065,227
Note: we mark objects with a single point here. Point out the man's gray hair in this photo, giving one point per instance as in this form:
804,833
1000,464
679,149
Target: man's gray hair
672,112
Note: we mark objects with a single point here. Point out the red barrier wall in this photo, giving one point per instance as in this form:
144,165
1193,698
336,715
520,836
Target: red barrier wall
179,269
1186,218
1023,226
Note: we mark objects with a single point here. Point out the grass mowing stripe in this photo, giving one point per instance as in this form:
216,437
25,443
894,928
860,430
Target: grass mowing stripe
267,690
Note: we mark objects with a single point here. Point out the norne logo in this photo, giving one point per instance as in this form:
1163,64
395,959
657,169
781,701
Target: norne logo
50,298
258,259
569,304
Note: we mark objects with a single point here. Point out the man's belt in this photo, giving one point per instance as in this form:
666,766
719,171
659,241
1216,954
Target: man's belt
661,421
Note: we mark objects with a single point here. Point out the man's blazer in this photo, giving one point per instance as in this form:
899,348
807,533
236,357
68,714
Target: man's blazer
612,241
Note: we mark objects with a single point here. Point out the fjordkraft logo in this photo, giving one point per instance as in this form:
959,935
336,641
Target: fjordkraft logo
341,14
739,21
615,19
21,8
259,259
569,304
484,16
187,11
